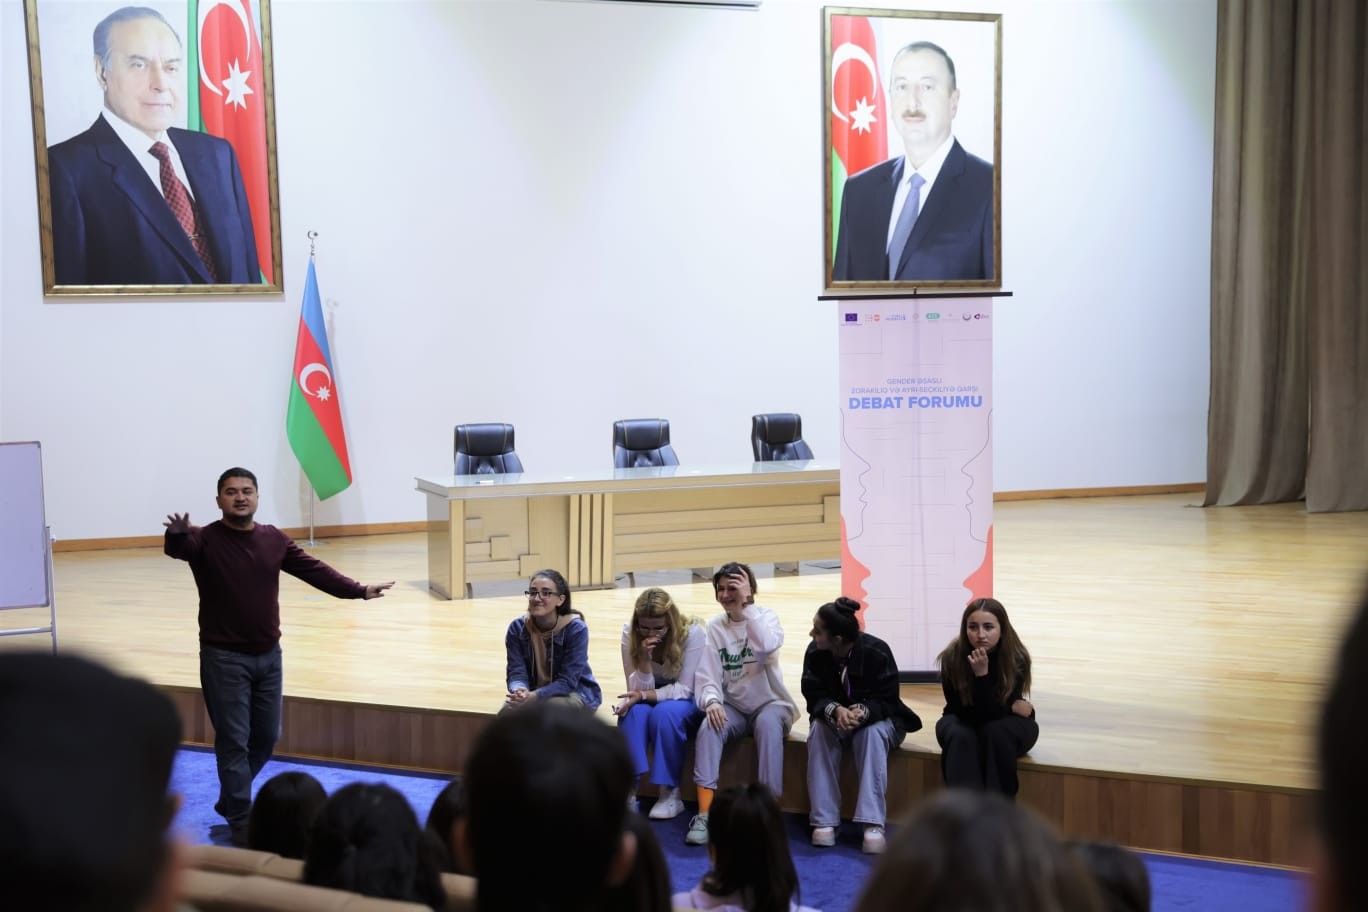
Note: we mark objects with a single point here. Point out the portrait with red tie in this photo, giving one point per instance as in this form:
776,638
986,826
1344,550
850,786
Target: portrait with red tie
171,188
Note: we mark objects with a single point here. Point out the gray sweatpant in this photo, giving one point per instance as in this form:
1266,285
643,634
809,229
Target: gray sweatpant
769,725
870,744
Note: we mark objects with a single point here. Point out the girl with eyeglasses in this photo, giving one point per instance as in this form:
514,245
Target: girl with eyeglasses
660,653
548,648
988,722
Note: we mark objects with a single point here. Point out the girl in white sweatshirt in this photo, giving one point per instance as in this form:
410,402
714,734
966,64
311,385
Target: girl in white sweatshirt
740,689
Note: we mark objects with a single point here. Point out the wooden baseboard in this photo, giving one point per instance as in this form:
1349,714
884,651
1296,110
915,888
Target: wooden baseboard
1196,487
297,532
154,541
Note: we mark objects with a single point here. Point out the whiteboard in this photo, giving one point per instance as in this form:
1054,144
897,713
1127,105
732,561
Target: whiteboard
23,528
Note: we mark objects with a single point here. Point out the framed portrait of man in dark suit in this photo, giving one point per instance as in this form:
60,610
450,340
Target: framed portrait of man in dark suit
154,135
912,150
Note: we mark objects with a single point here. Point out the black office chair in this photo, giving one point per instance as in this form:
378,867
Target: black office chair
485,449
778,436
642,442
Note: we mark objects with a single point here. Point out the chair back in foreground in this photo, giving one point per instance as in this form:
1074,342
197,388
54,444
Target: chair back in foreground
642,442
485,449
778,436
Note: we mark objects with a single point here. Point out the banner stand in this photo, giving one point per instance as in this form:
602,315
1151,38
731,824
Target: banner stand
916,384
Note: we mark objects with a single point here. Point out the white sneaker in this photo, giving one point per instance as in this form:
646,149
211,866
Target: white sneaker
668,806
824,836
874,842
698,830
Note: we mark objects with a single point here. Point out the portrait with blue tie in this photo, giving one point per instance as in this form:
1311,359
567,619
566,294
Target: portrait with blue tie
926,216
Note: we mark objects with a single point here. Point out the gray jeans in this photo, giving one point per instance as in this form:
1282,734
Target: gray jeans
242,694
769,725
870,744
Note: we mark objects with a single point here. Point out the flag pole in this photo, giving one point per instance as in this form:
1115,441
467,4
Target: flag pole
313,495
312,542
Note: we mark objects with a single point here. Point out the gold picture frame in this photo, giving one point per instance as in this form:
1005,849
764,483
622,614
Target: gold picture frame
942,112
199,212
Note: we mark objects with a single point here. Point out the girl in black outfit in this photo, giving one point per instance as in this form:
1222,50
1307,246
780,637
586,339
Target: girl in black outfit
985,673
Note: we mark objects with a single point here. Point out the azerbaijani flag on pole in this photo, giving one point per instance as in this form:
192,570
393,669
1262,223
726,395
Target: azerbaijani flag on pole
859,122
313,421
226,100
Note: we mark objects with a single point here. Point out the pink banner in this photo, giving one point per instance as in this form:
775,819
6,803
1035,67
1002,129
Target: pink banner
916,466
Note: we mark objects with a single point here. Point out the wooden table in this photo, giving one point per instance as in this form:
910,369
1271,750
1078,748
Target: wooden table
594,525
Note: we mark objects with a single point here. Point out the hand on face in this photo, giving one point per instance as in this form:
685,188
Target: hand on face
734,594
978,661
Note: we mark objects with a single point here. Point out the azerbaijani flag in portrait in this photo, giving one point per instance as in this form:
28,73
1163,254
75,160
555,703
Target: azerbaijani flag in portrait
226,99
313,419
859,121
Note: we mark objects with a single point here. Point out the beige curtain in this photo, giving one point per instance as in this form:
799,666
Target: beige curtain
1289,338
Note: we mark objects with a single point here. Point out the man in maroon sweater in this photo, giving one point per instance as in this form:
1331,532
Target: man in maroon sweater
236,563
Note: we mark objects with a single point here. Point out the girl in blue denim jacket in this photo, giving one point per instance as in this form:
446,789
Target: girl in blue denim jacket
548,648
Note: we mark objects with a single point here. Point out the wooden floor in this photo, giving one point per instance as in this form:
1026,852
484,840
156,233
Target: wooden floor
1170,643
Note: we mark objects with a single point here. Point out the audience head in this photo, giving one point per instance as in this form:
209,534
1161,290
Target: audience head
647,887
985,624
749,850
85,762
283,814
367,840
556,775
1342,748
448,807
837,624
987,617
551,579
969,851
734,568
1120,874
656,614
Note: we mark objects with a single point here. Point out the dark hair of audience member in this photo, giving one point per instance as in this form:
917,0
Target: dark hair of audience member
557,776
735,568
647,887
1342,749
841,618
971,851
283,813
749,850
562,588
448,807
367,840
85,764
1120,874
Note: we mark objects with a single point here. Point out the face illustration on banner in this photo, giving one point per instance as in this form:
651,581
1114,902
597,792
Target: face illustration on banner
141,73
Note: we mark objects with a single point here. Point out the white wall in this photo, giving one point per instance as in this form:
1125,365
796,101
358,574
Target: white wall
562,213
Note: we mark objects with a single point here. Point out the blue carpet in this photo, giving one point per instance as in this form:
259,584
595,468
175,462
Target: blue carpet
829,879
